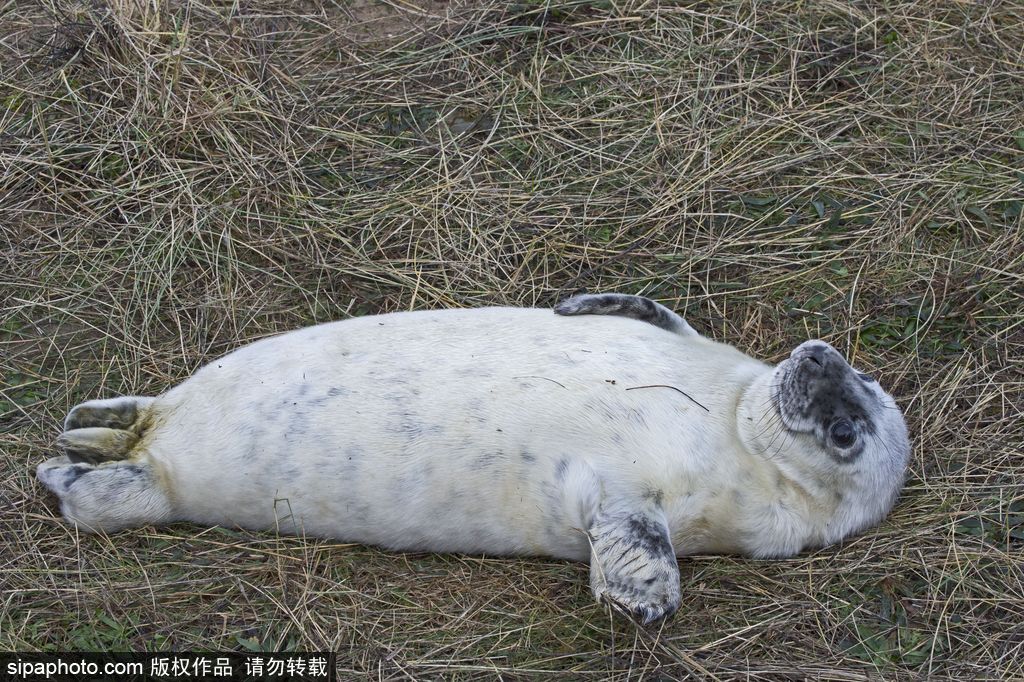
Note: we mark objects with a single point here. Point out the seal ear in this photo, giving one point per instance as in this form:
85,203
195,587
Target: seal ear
632,564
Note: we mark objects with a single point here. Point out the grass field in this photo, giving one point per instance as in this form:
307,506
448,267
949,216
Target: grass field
177,179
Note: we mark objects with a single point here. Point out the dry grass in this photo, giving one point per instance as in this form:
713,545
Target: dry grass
180,178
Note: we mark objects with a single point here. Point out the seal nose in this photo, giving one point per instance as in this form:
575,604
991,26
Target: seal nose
815,351
816,354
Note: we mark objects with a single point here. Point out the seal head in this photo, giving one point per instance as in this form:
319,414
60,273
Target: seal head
845,434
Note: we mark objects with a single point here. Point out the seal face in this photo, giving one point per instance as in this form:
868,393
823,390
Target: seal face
610,432
817,392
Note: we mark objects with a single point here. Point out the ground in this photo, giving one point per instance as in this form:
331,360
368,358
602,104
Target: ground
179,178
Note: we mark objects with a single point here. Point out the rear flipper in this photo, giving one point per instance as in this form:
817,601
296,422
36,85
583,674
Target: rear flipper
96,444
103,430
108,497
626,305
126,413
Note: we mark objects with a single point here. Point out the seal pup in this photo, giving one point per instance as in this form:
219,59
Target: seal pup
612,432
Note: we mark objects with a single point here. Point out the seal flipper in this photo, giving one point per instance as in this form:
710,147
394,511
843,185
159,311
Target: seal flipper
125,413
95,444
103,430
108,497
626,305
632,564
97,493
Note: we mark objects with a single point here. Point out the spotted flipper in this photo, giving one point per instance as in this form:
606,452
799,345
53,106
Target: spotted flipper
108,497
632,564
124,413
626,305
96,444
104,430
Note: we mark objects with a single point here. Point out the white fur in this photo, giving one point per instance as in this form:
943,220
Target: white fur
503,431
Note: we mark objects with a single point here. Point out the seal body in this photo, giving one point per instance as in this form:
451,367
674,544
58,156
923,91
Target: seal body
473,431
500,431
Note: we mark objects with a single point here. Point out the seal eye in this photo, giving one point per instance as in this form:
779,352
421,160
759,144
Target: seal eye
842,433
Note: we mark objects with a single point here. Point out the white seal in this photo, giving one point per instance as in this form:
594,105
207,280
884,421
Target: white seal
586,435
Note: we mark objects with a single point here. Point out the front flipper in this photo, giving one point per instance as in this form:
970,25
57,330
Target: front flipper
632,564
626,305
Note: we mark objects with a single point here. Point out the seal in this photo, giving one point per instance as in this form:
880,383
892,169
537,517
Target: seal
611,433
